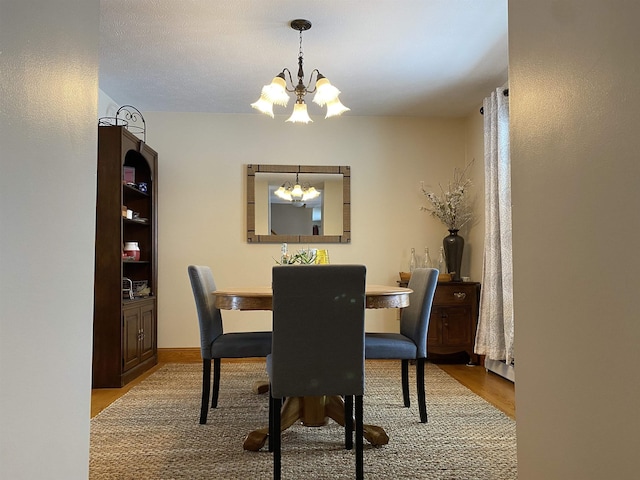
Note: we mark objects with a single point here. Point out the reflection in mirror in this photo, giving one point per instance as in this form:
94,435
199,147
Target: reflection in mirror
297,215
323,219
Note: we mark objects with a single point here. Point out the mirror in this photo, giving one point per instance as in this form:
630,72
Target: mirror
325,219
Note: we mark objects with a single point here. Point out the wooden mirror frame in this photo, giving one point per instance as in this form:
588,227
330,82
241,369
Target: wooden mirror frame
346,204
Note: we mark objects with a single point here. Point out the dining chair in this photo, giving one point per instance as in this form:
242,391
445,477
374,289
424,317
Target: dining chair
318,344
214,343
411,342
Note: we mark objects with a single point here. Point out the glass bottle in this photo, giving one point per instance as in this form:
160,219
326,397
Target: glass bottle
413,262
322,256
426,261
442,264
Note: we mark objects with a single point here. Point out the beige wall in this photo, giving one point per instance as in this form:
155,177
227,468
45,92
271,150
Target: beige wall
48,105
202,161
574,98
474,233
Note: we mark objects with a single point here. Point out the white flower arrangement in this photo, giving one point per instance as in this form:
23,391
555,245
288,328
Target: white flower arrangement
451,207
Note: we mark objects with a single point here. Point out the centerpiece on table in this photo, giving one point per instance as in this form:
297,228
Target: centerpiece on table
301,257
453,208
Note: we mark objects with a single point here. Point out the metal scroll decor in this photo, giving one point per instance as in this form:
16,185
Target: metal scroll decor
130,118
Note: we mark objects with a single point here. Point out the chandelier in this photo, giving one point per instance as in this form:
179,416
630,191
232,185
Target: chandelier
297,192
276,92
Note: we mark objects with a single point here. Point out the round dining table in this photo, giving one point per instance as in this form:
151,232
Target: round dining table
311,411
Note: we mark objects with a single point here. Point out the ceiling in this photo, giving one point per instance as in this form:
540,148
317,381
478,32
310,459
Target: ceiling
427,58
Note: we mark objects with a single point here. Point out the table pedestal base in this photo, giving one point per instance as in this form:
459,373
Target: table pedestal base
312,412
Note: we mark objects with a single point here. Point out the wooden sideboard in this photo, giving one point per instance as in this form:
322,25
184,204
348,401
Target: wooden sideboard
453,322
454,319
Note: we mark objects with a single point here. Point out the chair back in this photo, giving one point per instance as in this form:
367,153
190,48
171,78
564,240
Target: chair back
414,320
318,330
209,316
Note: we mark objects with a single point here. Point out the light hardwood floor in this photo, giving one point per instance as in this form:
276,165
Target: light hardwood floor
493,388
498,391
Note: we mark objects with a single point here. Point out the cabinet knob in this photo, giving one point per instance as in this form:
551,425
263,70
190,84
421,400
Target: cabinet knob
460,295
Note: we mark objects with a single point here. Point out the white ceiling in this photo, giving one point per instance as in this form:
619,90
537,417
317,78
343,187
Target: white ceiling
388,57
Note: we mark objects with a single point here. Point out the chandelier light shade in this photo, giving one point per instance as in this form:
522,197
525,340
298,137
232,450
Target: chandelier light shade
276,92
334,108
263,105
325,92
297,192
300,114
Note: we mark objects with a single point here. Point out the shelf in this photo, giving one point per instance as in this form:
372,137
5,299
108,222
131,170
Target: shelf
134,221
128,189
128,301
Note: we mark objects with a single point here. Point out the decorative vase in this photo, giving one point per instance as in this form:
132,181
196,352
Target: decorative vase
453,245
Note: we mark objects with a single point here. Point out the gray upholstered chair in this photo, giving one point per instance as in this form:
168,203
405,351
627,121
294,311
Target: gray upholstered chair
214,343
411,342
318,344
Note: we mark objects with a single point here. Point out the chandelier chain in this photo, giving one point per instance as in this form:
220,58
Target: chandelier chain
300,54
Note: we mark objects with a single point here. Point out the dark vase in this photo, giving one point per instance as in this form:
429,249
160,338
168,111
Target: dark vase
453,246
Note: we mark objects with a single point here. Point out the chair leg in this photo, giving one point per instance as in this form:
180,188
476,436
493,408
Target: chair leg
422,402
348,422
271,422
206,385
276,440
405,383
216,382
359,440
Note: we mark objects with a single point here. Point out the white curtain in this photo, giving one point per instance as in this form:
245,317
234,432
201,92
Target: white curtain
495,325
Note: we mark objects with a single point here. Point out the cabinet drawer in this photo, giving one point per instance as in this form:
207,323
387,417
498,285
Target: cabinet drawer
455,295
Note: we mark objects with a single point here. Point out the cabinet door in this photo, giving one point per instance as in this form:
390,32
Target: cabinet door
148,334
130,338
456,326
434,334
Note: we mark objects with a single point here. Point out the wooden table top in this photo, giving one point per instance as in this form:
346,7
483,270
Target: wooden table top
260,298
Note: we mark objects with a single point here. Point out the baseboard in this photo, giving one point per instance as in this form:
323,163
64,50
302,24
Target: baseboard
192,355
179,355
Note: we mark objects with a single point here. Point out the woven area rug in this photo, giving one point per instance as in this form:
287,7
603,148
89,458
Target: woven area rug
152,432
